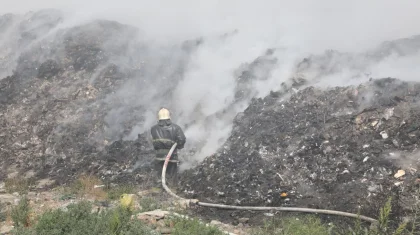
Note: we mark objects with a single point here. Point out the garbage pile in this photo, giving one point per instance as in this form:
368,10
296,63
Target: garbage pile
76,98
59,107
339,148
79,99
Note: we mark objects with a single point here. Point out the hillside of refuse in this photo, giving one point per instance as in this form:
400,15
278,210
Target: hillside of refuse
81,99
343,148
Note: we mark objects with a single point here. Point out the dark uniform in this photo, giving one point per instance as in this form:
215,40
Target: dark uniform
164,135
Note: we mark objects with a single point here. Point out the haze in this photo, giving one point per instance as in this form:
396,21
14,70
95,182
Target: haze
296,28
311,25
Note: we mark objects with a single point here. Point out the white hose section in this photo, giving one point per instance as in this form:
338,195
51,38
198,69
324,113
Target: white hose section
253,208
164,173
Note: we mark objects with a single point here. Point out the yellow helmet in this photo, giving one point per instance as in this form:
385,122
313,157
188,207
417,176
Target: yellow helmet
164,114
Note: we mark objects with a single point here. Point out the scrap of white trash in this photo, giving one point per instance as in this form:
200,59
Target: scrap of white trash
384,135
398,183
388,113
399,174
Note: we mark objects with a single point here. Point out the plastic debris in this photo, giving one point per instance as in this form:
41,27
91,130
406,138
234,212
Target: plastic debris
384,135
399,174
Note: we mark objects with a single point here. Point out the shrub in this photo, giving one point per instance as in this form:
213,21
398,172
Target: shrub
79,219
313,225
20,213
382,227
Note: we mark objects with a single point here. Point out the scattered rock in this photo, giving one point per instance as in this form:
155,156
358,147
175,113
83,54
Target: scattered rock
243,220
156,214
5,229
45,183
186,203
215,223
8,198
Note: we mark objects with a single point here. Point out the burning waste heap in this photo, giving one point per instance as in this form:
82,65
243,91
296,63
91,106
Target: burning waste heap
62,111
75,96
330,149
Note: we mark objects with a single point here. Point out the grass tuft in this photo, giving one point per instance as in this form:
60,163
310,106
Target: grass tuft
84,186
20,185
20,214
114,193
185,226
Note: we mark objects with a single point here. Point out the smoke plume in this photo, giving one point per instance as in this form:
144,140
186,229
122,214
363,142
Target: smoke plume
206,60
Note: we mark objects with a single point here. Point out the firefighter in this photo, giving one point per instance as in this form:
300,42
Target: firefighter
165,134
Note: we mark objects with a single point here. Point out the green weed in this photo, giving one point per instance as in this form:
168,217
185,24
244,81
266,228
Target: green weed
115,192
20,213
185,226
149,204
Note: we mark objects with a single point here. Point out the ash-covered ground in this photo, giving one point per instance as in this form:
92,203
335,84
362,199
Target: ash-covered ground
81,99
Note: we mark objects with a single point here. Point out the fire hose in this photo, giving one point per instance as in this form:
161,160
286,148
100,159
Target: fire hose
253,208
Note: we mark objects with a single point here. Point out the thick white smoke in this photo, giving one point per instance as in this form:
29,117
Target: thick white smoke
236,33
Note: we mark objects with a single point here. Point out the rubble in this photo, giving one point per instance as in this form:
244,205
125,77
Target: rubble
318,147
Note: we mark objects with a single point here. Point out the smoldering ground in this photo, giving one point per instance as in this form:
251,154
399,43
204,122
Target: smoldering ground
208,80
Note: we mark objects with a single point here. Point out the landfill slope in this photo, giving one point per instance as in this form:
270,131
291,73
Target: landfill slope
337,148
74,99
78,99
61,107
